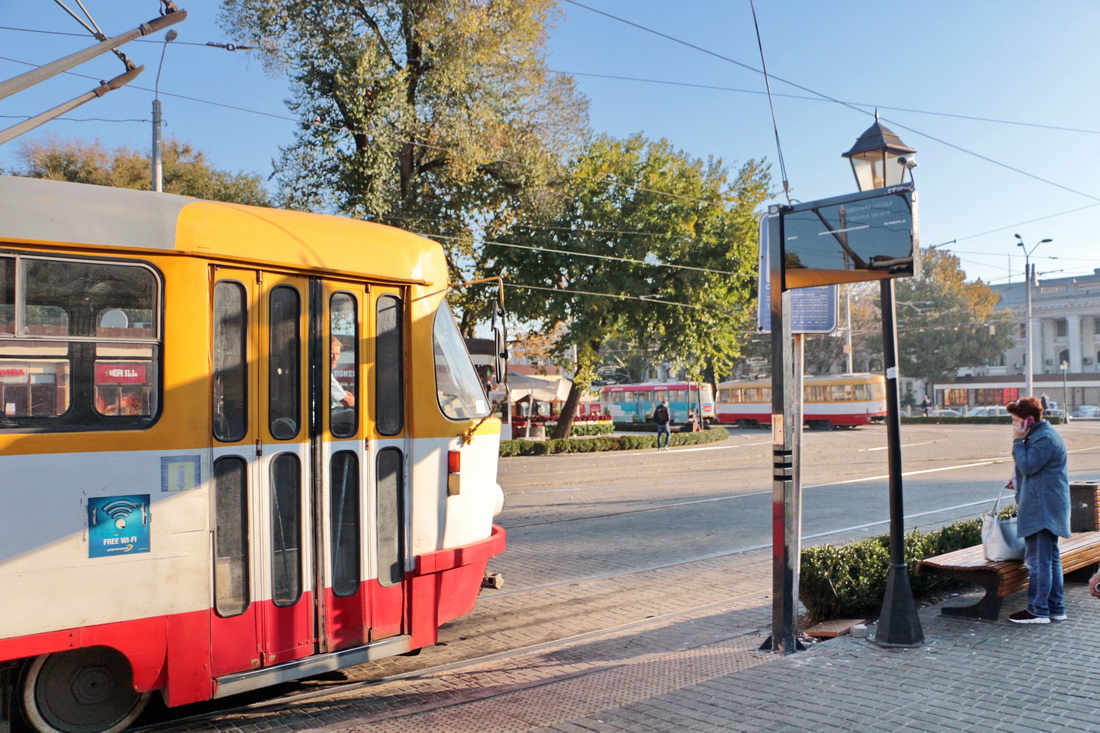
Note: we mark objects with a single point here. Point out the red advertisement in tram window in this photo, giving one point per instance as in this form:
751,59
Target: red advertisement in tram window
120,373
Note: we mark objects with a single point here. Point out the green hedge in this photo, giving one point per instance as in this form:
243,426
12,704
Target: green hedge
605,443
849,581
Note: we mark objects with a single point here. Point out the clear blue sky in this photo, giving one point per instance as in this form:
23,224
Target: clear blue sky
1024,67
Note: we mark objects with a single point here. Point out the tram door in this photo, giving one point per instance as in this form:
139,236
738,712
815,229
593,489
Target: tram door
309,467
364,460
264,335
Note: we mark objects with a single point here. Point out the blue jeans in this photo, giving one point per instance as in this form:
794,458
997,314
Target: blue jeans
1044,565
663,430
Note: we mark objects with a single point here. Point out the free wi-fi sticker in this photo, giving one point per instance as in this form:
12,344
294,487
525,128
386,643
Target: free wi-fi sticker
118,525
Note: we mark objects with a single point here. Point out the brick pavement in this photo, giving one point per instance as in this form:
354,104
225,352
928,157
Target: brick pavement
702,672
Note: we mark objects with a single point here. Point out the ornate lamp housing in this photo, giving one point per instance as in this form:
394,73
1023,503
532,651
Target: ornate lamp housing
874,158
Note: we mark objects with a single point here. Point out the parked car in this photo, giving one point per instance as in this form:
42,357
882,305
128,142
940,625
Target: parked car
1087,411
946,413
992,411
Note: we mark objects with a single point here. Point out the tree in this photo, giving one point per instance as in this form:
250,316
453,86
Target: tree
440,117
946,322
680,237
186,171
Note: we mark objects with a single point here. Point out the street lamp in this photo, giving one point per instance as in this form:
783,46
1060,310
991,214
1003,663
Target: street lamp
880,159
1029,273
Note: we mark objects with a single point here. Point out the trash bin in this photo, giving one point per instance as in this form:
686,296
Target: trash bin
1083,506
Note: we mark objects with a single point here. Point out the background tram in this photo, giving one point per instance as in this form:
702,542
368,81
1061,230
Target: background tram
636,402
239,446
843,400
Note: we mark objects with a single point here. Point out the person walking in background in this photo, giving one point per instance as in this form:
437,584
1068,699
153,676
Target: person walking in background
1041,480
1043,401
662,417
926,406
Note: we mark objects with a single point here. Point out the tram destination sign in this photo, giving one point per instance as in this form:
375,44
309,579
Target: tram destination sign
813,310
871,235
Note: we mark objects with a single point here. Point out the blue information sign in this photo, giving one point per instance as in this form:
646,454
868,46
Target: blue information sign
813,310
118,525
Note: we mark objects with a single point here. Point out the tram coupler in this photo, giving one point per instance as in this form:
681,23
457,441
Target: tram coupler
493,580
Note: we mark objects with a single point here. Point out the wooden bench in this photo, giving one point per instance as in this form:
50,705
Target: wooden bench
1081,552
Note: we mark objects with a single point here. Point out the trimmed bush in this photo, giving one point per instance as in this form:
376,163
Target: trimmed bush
849,581
605,443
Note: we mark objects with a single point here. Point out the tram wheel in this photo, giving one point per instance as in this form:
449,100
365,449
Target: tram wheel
81,691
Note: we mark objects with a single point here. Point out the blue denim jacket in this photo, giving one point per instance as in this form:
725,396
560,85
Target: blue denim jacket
1042,481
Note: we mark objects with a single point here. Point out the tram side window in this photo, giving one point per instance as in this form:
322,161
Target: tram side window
286,529
344,365
79,341
390,368
230,361
458,388
231,595
391,517
284,366
346,551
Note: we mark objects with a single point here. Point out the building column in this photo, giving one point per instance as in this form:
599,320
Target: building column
1039,343
1073,332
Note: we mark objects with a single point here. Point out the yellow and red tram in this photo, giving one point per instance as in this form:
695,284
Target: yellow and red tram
238,446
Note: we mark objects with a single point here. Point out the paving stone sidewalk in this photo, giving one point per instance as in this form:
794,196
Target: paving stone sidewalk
968,676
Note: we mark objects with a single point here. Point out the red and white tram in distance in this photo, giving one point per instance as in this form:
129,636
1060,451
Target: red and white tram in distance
238,446
842,400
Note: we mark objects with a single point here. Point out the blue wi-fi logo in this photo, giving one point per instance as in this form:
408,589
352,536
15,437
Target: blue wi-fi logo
120,511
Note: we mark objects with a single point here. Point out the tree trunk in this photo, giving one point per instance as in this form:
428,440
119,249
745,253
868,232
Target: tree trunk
568,413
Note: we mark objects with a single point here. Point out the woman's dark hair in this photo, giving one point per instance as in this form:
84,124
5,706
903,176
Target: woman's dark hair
1025,408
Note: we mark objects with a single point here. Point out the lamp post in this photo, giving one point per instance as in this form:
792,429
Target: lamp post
880,159
1029,274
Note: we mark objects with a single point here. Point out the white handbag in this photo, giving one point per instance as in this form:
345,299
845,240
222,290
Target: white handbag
999,538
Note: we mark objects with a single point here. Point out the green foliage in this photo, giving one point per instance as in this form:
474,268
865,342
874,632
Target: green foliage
849,581
440,117
186,171
651,206
604,443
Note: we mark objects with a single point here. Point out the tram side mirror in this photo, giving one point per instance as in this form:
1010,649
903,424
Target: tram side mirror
500,345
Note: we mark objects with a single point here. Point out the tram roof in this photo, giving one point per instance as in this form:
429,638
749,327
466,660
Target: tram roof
54,212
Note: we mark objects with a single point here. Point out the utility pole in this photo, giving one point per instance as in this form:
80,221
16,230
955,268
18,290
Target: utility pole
158,148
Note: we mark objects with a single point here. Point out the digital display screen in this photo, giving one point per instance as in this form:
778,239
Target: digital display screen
869,236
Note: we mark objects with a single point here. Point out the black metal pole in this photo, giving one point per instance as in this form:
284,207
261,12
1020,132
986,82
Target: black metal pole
898,623
786,508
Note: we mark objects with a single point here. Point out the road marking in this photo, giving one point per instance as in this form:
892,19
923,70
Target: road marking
907,445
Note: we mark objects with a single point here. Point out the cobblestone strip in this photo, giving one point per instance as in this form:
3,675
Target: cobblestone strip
566,692
713,639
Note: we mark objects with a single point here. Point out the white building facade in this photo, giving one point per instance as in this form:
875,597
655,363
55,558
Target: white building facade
1065,314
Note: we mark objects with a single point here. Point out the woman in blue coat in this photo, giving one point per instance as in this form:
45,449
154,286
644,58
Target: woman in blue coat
1042,498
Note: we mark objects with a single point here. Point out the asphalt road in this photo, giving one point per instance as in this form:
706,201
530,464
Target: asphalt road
575,516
